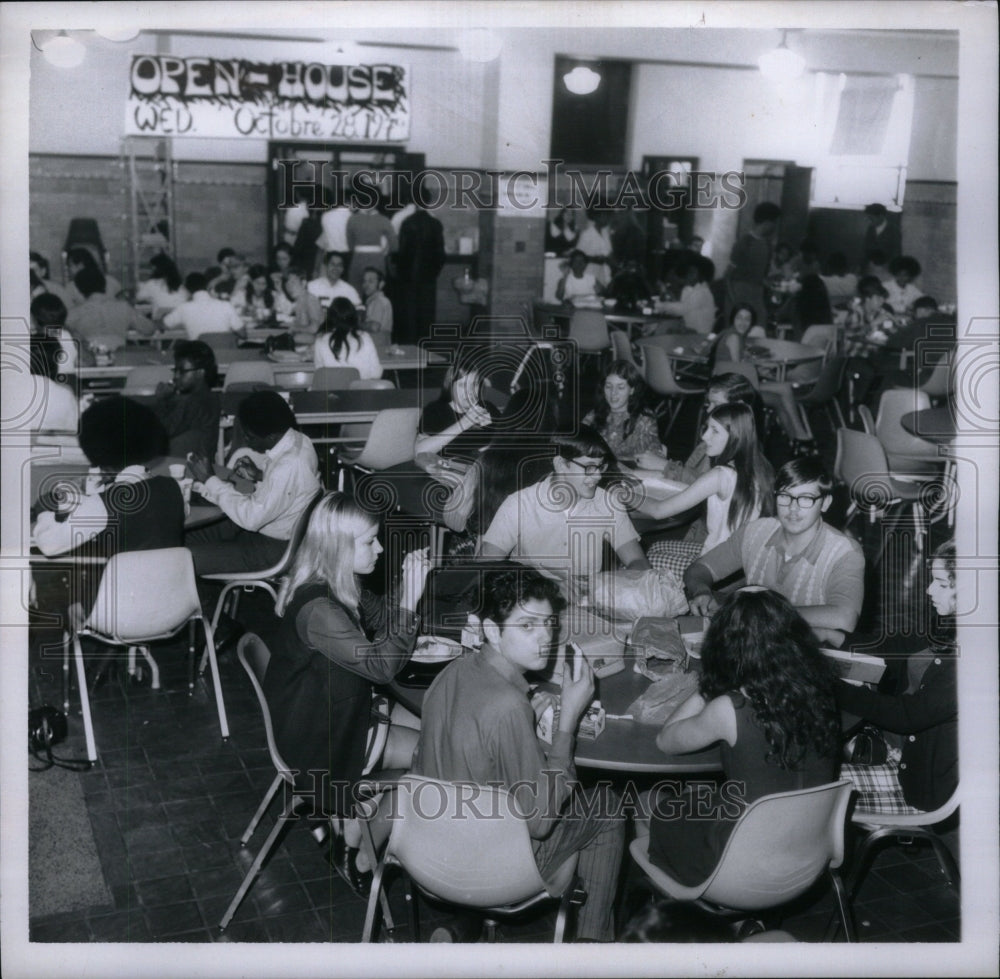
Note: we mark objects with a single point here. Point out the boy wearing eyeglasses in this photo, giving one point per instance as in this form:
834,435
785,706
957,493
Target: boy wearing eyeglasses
188,407
560,524
796,553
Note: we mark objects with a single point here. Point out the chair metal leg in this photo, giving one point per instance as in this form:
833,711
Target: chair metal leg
375,897
564,907
65,672
948,865
154,668
251,874
216,682
843,906
81,680
412,909
261,809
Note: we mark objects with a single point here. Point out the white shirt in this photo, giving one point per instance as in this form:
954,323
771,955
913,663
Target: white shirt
203,313
290,481
536,527
359,353
326,291
334,222
88,519
697,306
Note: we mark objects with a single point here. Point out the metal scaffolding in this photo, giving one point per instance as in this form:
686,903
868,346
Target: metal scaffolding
149,171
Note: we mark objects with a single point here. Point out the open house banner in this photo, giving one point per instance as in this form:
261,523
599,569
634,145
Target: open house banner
235,99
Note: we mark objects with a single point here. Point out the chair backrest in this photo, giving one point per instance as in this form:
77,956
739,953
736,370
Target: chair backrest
898,442
463,843
254,657
589,329
779,846
939,381
248,372
867,419
748,370
659,372
144,378
220,341
930,818
334,378
145,595
391,439
369,383
822,335
862,467
828,381
621,347
298,532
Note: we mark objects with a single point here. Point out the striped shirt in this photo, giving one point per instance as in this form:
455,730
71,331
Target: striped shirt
830,571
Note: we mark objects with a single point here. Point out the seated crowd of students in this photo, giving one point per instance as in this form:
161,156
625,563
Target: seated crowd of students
546,510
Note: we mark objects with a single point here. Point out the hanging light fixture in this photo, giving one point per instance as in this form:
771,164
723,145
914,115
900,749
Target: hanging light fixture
63,51
582,80
118,33
781,64
479,45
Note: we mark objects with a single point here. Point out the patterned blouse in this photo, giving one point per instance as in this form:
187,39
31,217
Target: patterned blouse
644,436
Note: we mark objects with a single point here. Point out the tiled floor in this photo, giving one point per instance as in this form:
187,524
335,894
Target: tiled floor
168,802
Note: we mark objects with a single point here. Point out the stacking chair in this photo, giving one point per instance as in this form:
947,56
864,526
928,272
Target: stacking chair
334,378
621,348
938,384
823,335
660,377
903,450
441,843
254,656
778,848
236,583
589,331
861,466
903,829
144,378
221,342
144,596
370,384
744,367
85,233
246,375
389,442
823,392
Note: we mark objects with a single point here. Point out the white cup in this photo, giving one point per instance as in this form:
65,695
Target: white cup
177,470
185,485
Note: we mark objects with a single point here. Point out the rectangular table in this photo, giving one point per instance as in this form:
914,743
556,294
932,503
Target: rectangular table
359,405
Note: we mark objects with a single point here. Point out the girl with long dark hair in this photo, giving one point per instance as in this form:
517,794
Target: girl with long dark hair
766,693
736,489
621,413
343,343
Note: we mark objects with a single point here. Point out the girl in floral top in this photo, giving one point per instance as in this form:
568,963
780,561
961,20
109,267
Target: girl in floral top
621,415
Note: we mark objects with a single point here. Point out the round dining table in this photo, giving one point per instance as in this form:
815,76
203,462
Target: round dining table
773,358
935,425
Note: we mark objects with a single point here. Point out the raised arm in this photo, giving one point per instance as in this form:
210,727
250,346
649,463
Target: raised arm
710,484
696,725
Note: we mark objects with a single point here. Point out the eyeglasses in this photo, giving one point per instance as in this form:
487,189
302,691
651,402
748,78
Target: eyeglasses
590,469
186,370
804,502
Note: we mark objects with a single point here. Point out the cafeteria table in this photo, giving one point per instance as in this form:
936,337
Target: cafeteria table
352,405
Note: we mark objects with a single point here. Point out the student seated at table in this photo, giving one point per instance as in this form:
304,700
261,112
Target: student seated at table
298,305
331,285
378,309
342,342
560,524
282,464
188,407
817,568
164,289
921,772
696,304
737,488
458,424
902,292
577,282
335,641
46,395
629,286
49,330
732,344
202,313
79,258
123,507
254,299
498,471
38,264
478,726
765,694
101,319
621,413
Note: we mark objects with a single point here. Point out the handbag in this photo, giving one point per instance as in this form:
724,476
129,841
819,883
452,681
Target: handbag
867,747
47,727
